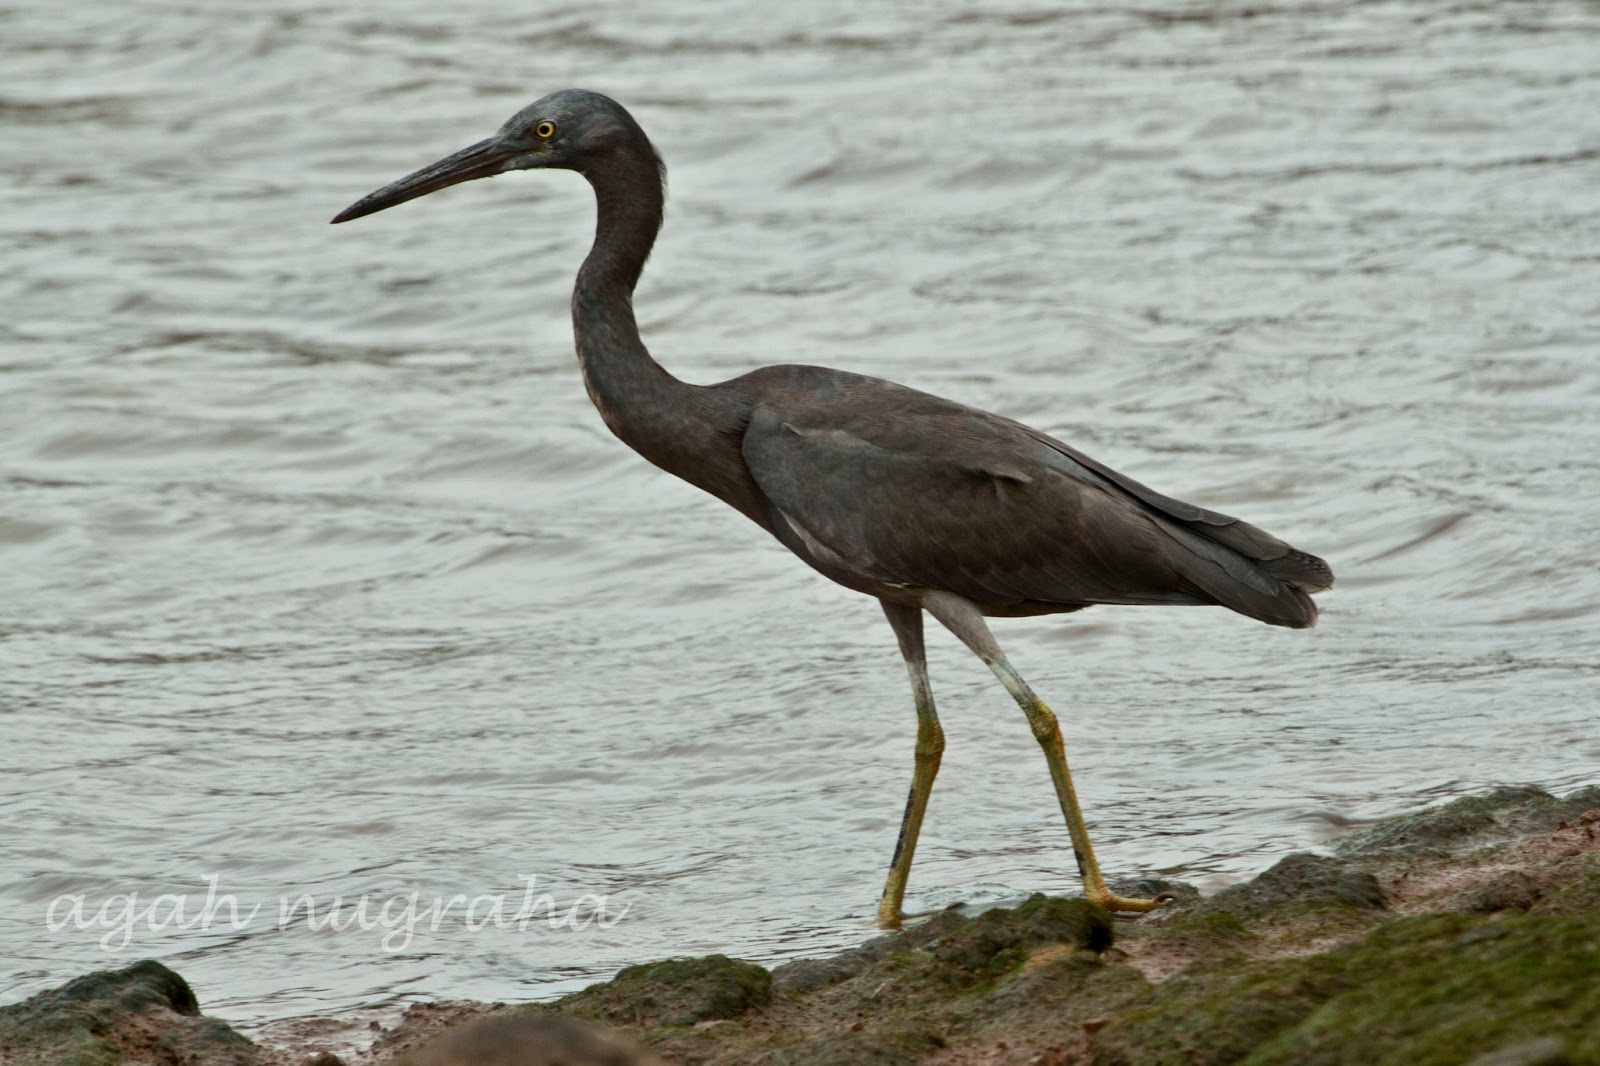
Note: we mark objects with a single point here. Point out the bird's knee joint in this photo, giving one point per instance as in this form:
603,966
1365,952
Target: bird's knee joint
1046,730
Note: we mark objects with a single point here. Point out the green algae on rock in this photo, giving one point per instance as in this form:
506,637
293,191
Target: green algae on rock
1581,895
141,1013
1505,812
675,992
1298,883
1433,989
1439,989
997,941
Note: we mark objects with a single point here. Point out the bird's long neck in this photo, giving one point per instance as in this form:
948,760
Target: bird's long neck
675,425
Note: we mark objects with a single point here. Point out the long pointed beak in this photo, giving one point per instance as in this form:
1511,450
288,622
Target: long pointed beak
481,160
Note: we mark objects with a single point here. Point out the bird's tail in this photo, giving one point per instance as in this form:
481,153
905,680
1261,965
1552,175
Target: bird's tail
1225,560
1250,571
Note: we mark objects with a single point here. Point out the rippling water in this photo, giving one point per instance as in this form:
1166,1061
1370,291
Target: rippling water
320,575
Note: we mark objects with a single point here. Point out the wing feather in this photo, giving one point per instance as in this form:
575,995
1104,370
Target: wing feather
898,487
1000,529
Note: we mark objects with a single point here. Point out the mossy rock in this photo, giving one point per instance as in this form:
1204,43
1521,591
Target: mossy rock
675,992
1541,1051
922,934
803,976
1211,931
1217,1013
1060,994
808,975
891,1047
998,941
913,980
142,1013
1440,990
1579,896
1179,892
1424,991
1299,883
952,953
1503,813
1513,890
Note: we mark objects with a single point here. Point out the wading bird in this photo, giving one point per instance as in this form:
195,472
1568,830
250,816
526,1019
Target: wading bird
926,504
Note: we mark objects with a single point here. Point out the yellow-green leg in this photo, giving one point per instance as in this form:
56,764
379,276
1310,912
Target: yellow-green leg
1047,731
907,623
966,622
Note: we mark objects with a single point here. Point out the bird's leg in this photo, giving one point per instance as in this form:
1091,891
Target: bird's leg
966,622
907,623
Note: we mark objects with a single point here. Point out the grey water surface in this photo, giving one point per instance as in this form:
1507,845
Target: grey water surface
320,576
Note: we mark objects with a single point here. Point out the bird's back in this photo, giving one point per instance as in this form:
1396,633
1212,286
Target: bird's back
891,490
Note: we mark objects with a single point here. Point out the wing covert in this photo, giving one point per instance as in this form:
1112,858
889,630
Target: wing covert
953,504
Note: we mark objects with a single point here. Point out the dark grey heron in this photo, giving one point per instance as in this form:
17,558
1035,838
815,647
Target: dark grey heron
926,504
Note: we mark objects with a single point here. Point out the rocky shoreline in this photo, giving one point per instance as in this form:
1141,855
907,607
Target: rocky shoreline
1466,933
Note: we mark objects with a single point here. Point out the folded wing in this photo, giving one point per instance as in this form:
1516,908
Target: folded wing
901,488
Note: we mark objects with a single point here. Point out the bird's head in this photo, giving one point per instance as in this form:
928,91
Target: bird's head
573,129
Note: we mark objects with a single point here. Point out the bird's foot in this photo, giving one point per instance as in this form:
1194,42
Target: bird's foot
1115,903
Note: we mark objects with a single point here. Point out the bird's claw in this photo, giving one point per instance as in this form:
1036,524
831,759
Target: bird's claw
1116,904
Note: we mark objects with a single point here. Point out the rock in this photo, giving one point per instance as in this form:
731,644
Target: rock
1431,988
998,941
1501,814
808,975
1155,887
676,992
142,1013
1511,891
1298,883
1214,932
1050,998
1466,819
536,1039
1581,895
1545,1051
922,934
854,1049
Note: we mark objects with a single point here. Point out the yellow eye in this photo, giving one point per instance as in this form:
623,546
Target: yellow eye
545,130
